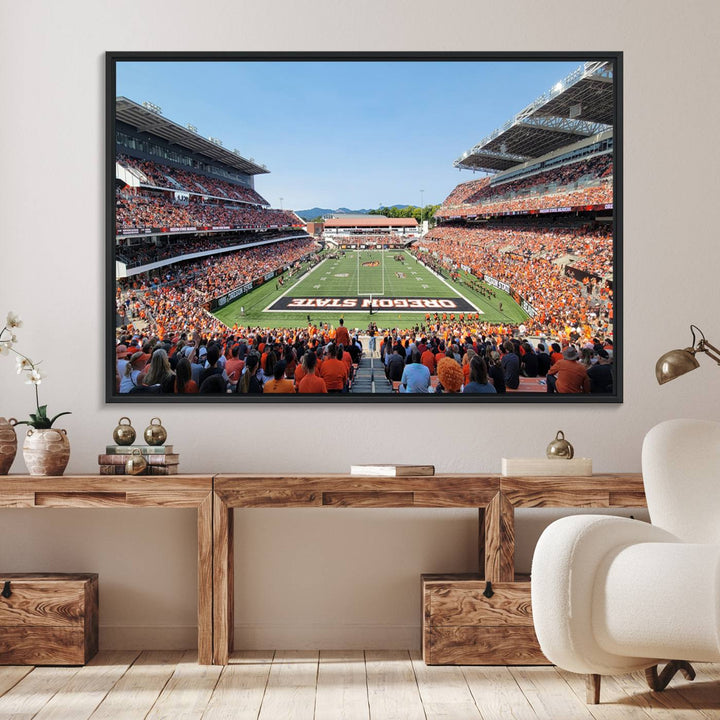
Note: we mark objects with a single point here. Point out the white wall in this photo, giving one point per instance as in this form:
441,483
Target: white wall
330,578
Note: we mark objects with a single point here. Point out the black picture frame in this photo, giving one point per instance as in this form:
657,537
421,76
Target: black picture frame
615,58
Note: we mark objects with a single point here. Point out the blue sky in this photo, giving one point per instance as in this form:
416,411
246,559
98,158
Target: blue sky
344,134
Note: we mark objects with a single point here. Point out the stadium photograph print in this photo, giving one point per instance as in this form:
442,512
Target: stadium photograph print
364,227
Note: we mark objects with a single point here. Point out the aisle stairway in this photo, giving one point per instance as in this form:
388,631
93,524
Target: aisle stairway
370,377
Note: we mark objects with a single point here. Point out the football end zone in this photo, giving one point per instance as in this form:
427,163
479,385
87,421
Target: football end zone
378,304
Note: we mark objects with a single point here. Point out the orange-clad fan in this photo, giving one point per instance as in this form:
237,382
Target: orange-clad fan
310,382
570,375
428,360
279,383
333,371
342,336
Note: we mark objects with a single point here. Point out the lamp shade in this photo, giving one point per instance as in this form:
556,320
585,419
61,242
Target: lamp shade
675,363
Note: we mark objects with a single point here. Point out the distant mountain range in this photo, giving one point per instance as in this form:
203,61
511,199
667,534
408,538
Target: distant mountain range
325,212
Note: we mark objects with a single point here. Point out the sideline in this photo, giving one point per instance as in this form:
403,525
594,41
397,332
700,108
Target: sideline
300,279
443,280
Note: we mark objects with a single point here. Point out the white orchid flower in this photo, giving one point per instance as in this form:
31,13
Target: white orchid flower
13,320
35,377
28,369
23,364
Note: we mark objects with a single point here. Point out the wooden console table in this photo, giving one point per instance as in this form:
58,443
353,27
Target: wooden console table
495,497
91,491
215,498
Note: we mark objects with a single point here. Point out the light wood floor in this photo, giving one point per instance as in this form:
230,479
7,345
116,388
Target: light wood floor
370,685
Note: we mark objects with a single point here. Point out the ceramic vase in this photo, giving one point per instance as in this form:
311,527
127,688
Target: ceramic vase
8,444
46,452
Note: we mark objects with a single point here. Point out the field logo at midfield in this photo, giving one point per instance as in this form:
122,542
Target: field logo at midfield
379,304
371,263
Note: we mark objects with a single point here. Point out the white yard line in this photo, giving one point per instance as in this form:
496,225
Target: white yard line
300,279
443,280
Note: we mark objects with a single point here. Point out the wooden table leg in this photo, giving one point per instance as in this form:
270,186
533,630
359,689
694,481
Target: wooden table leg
205,580
500,540
481,541
223,581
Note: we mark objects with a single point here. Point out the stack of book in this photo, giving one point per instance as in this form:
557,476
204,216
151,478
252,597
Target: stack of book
160,459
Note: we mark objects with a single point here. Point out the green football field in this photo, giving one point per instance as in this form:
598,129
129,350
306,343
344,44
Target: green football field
402,293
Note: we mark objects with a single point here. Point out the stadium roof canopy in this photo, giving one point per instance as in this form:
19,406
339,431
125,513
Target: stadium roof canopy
378,221
151,122
575,108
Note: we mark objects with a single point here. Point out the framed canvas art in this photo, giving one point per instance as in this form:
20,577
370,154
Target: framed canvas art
364,227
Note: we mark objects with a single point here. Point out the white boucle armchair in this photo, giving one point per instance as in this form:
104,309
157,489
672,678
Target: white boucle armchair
613,595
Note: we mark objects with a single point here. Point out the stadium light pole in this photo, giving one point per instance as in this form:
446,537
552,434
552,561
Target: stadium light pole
421,209
281,203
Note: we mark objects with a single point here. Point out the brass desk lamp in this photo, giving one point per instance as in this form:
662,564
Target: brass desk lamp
677,362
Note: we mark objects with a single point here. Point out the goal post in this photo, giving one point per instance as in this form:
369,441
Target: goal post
373,292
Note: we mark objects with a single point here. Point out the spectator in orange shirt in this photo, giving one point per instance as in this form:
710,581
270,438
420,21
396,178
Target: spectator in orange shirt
279,383
568,375
310,382
333,371
428,360
342,336
467,357
234,366
301,368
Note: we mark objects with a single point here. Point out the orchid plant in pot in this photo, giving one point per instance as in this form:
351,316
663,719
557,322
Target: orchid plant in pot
46,449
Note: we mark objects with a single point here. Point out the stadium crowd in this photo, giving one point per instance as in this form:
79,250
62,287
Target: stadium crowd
249,361
164,176
174,247
138,210
586,182
591,195
525,259
593,169
178,301
463,191
320,359
494,362
593,245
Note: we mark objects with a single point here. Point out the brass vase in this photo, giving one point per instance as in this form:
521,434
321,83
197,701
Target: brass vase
136,463
46,451
155,433
8,444
124,433
560,448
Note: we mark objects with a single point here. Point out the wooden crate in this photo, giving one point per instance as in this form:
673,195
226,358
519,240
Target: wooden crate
461,626
48,618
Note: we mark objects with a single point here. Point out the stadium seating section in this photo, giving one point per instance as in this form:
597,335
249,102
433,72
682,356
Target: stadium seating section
138,210
146,253
164,176
209,202
178,301
586,182
526,258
